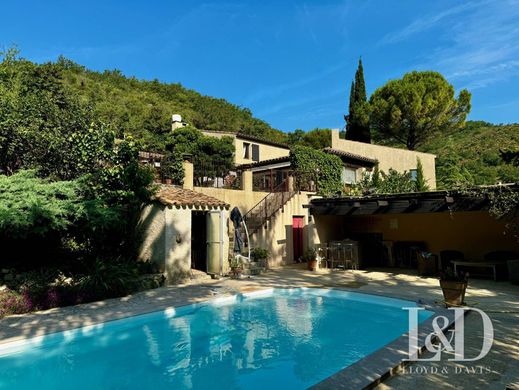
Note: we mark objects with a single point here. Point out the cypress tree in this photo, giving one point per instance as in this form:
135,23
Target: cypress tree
357,121
421,183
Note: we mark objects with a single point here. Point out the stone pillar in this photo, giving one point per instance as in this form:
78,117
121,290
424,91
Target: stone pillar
290,183
246,181
188,175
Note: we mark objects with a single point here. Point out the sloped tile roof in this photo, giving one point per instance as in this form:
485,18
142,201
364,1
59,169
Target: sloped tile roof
352,156
180,197
264,162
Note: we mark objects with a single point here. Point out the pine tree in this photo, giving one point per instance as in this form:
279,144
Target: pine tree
421,183
357,121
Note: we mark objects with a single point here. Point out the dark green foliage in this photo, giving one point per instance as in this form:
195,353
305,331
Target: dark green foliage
108,279
316,138
171,168
143,108
380,182
357,120
41,121
421,183
212,157
417,108
322,168
471,156
259,254
375,177
30,206
394,182
510,157
90,186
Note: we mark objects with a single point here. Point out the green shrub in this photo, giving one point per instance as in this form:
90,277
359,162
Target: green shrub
12,303
108,279
259,254
322,168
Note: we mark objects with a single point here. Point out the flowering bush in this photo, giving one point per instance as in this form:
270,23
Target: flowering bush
12,303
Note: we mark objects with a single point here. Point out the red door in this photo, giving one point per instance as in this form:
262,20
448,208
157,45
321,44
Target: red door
297,233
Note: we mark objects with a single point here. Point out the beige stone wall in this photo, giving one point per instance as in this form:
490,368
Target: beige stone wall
166,239
151,230
277,236
177,243
244,200
474,233
266,151
398,159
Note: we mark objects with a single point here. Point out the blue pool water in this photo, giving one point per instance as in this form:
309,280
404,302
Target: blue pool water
278,339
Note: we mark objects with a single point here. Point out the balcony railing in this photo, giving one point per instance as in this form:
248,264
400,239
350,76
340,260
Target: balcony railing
215,176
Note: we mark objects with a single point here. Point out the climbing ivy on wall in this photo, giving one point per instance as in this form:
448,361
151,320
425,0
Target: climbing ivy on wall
323,169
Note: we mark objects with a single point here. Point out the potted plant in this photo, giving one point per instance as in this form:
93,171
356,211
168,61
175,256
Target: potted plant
426,263
236,266
453,285
311,259
260,256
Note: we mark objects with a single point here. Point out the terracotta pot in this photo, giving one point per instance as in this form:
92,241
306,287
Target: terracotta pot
453,292
312,265
236,270
426,266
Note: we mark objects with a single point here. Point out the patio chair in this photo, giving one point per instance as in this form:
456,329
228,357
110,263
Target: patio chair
447,256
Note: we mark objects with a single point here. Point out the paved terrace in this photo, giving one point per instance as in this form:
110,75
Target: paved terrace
500,300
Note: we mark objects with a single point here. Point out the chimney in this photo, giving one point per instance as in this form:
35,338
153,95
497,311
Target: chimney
176,122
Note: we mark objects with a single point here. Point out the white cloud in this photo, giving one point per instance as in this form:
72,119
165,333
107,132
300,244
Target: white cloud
422,24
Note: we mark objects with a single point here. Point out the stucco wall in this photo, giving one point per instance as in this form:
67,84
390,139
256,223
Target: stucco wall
473,233
244,200
398,159
277,237
177,254
162,227
151,230
266,151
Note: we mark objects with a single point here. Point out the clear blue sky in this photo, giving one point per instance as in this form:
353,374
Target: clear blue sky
291,63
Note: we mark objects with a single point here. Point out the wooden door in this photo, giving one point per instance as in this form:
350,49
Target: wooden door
297,234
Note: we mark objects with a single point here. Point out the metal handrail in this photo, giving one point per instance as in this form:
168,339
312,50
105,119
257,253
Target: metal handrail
264,209
283,183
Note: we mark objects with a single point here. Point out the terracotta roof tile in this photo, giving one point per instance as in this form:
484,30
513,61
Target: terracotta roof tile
175,196
352,156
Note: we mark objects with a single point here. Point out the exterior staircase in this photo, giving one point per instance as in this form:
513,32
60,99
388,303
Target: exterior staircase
256,218
265,209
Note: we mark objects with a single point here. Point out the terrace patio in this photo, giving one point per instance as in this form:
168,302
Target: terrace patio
500,300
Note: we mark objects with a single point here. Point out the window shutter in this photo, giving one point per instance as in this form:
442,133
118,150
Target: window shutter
255,152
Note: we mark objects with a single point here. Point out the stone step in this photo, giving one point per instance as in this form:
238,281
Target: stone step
253,271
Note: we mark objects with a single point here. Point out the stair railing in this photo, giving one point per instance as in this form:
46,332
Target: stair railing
258,215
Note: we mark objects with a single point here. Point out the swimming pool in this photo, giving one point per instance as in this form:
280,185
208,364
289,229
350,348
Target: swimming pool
288,338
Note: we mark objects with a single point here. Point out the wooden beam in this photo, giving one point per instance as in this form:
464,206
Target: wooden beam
354,207
412,205
382,206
